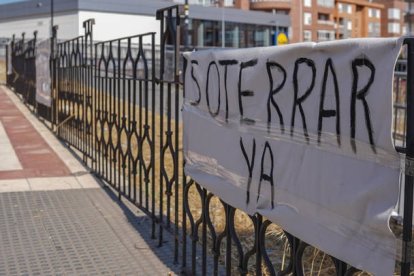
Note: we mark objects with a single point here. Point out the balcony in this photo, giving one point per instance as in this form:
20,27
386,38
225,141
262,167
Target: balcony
268,5
326,22
326,3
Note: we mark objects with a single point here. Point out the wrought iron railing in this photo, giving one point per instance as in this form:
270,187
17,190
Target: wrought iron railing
117,103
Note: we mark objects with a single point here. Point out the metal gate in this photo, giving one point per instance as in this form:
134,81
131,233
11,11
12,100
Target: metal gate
116,106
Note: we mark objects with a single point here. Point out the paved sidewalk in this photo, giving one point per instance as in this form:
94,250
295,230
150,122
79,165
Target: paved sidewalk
55,218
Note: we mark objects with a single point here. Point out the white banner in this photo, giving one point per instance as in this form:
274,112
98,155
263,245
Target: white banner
302,135
43,81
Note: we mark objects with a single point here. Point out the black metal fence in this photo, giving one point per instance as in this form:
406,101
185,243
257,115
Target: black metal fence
118,104
24,73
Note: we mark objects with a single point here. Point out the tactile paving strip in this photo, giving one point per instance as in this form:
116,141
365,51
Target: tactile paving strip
77,232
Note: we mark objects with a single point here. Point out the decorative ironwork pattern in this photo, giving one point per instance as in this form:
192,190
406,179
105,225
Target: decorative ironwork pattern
73,81
125,117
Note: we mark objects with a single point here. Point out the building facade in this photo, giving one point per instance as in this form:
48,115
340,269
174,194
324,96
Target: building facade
121,18
318,21
242,28
356,18
321,20
392,19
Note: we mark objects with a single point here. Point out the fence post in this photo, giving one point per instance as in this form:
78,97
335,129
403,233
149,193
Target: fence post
6,47
23,35
32,85
53,74
10,79
408,187
170,34
34,39
87,87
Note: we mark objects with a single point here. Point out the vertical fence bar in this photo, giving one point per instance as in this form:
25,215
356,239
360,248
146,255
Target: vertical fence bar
88,86
21,76
179,13
95,111
408,188
160,16
10,77
92,84
53,76
119,154
153,134
258,226
228,210
184,184
6,47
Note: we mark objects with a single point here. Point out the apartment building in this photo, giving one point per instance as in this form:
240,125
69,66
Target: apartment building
318,21
392,18
356,18
312,20
321,20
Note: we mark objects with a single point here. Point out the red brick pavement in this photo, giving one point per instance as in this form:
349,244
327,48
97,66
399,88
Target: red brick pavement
36,157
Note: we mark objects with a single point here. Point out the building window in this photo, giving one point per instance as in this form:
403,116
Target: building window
374,29
323,18
344,27
307,3
324,35
374,13
344,8
394,28
206,33
281,11
228,3
307,36
394,13
307,18
326,3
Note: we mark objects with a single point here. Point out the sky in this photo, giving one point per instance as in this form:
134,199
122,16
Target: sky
9,1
